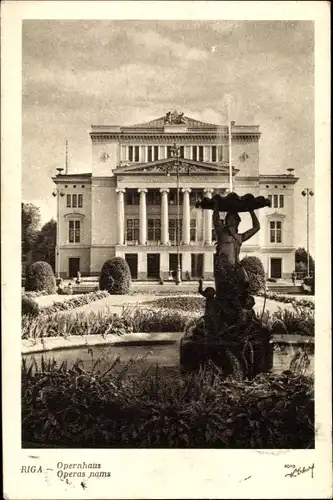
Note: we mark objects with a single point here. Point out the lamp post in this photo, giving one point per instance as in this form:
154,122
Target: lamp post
307,192
58,193
175,167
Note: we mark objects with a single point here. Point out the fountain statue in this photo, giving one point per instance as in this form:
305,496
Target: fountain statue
229,333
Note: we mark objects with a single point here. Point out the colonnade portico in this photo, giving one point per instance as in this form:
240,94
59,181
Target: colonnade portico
164,215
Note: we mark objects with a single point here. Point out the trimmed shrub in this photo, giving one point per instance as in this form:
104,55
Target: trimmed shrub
255,270
39,277
115,276
29,307
310,282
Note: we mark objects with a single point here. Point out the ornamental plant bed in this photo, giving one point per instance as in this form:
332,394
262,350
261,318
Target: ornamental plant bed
71,408
131,321
70,303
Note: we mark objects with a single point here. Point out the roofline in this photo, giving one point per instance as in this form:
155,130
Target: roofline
67,177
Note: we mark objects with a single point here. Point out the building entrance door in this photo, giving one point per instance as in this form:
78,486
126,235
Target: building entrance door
153,265
73,266
132,261
197,265
276,268
173,264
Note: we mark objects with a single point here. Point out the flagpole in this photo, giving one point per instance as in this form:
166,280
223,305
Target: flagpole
230,149
66,165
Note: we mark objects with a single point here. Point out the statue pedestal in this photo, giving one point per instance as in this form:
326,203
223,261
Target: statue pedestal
244,356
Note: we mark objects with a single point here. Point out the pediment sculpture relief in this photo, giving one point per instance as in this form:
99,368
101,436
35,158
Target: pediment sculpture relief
175,118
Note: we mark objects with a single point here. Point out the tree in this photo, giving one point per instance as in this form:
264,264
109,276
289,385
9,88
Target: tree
46,242
301,256
30,220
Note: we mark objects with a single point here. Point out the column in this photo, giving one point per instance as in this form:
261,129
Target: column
143,216
209,266
186,216
164,216
208,219
199,224
120,216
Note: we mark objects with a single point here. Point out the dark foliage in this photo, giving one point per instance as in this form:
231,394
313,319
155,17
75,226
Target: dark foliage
301,260
30,220
45,242
40,277
311,283
70,408
256,273
115,276
29,307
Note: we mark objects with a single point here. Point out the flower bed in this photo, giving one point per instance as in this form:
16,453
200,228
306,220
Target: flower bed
132,320
70,303
75,409
287,299
182,303
33,295
300,320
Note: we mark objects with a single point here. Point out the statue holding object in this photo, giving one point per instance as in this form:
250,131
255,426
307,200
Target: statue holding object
229,322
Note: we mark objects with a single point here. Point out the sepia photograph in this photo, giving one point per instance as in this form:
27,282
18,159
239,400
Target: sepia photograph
166,278
168,257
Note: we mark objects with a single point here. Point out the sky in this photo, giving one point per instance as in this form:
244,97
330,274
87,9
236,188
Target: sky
82,73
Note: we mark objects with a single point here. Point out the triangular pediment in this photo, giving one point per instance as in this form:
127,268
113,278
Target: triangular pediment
169,166
174,118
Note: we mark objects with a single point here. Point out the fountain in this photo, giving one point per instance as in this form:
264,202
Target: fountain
229,333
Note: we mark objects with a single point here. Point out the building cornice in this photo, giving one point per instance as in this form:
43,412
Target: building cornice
168,138
278,178
65,178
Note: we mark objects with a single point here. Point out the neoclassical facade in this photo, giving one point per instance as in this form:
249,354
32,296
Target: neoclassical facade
138,202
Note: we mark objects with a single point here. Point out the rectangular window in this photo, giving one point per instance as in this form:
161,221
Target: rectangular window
130,153
276,201
132,197
195,195
281,199
193,230
201,153
68,198
74,231
278,232
132,229
173,230
153,197
150,153
156,153
194,153
182,151
77,231
270,197
275,230
137,153
214,155
154,229
80,200
74,201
